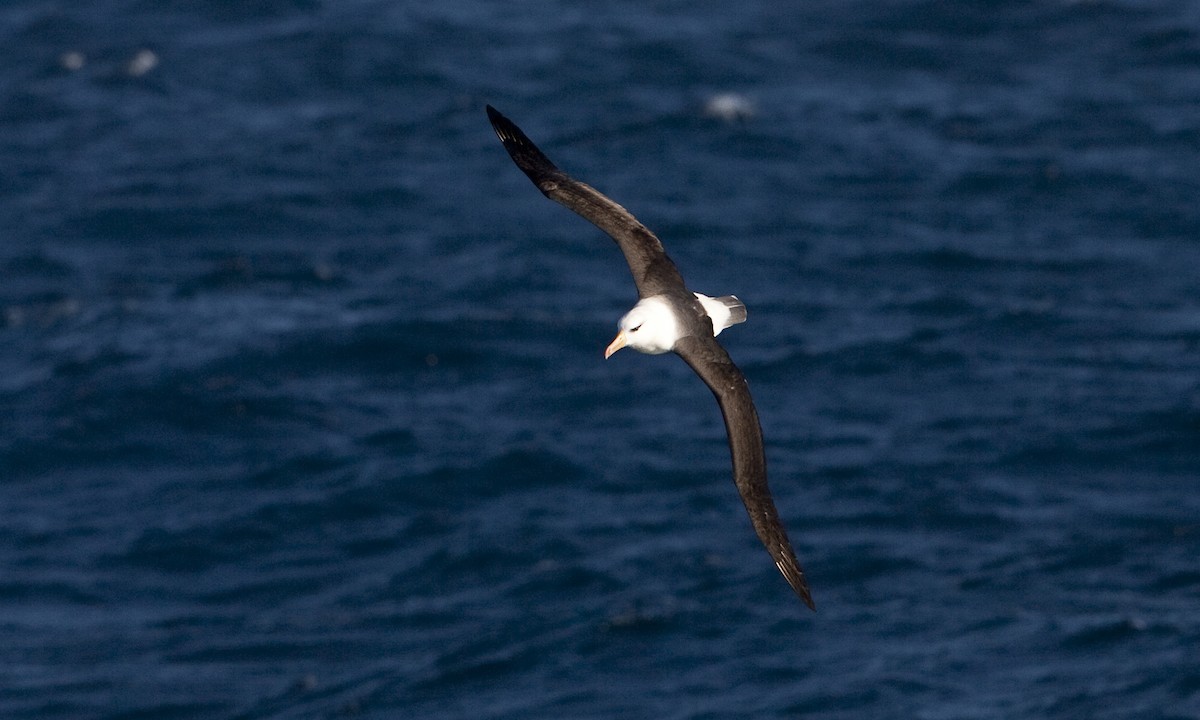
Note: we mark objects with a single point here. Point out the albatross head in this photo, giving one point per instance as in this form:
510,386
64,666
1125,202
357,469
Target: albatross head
650,327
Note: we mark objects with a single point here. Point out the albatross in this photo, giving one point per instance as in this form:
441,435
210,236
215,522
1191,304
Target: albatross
670,318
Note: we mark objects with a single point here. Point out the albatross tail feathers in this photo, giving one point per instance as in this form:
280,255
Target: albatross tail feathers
737,309
725,311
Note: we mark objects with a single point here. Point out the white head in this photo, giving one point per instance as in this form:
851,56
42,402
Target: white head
649,327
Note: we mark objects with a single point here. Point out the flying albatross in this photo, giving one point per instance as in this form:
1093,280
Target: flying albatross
668,317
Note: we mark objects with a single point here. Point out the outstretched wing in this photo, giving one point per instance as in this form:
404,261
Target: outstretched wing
653,272
716,369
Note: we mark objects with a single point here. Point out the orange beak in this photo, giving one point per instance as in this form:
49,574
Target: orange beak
618,342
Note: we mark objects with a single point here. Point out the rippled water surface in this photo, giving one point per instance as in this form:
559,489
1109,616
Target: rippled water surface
304,412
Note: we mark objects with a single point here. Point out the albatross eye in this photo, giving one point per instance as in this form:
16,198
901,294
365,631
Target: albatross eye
635,329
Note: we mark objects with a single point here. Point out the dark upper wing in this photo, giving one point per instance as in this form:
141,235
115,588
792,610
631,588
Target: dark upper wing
712,364
653,272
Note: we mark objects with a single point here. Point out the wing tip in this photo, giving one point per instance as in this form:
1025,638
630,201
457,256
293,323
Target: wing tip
500,124
493,114
806,597
795,577
520,148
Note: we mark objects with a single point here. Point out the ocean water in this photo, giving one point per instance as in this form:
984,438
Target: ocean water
303,411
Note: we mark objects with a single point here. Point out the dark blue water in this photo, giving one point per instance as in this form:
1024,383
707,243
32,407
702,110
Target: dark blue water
303,412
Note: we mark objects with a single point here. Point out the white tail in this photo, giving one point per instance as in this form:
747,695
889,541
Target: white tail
723,311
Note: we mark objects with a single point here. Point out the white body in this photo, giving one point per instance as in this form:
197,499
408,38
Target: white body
650,327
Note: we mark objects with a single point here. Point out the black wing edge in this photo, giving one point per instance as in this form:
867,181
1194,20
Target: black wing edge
714,366
653,272
532,161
